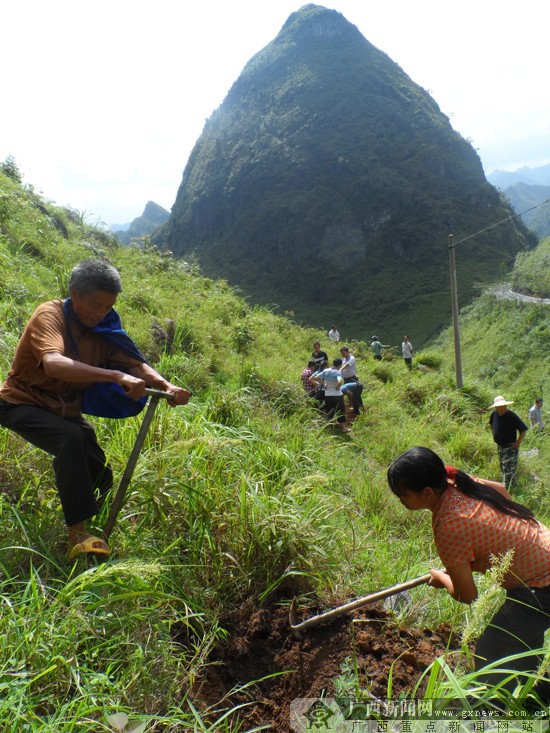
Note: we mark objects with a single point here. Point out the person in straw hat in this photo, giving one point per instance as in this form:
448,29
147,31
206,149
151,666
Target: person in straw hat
508,432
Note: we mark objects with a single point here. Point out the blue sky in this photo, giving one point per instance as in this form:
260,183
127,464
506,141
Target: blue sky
103,101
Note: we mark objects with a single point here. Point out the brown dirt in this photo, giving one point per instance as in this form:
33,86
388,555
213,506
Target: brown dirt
261,643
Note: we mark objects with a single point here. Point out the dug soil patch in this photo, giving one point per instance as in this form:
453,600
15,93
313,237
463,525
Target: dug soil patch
262,649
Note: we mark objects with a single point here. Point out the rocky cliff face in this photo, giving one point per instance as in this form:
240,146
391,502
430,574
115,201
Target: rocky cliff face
327,183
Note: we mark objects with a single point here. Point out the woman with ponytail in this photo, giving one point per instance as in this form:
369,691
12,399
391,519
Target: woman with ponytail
475,521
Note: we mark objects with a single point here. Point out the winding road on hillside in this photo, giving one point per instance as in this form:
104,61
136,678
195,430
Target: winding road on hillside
505,292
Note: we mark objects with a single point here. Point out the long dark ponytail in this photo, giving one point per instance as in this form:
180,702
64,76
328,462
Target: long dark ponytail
420,467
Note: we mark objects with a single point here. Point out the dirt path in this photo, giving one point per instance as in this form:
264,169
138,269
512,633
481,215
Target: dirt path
505,292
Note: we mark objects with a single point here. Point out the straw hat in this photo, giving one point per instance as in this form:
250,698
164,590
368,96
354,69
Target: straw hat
499,401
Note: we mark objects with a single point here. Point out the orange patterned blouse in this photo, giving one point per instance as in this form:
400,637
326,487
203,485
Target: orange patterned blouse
467,529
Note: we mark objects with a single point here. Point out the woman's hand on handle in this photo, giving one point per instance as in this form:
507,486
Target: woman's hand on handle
458,580
155,380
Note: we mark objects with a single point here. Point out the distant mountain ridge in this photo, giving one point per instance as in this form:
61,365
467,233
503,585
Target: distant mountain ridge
528,190
120,227
153,217
327,183
539,176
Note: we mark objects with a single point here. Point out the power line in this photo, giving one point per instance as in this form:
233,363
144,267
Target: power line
508,218
397,304
438,258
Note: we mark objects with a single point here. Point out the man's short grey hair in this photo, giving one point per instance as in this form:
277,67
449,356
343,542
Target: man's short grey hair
89,276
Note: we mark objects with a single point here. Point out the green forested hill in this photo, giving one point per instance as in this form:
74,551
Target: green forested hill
527,198
240,500
327,184
532,271
505,346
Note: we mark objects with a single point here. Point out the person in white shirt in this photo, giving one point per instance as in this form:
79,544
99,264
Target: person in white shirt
407,351
535,414
333,335
331,379
348,367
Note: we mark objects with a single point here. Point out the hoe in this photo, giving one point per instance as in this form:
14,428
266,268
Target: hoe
298,626
118,501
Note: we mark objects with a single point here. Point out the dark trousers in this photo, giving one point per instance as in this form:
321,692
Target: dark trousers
508,459
79,462
335,407
354,395
517,627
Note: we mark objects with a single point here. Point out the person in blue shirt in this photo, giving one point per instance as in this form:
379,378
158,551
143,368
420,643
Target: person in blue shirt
332,380
535,414
354,390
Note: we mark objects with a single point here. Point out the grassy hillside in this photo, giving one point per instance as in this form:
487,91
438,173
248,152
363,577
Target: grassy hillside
243,496
506,343
532,271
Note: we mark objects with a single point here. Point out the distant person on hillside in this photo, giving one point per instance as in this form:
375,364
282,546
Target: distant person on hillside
407,351
305,377
348,368
66,346
376,348
318,390
318,355
333,335
508,430
535,414
475,522
331,380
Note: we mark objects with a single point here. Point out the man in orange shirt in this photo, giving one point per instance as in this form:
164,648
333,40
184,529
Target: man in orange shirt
62,351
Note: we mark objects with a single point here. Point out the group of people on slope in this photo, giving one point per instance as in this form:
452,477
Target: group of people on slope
329,385
377,347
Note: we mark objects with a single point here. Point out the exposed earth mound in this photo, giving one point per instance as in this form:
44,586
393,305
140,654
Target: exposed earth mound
262,647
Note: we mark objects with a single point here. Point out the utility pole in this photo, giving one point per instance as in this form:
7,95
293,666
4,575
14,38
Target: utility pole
454,303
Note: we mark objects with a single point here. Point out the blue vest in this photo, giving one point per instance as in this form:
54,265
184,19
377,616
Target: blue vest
107,399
